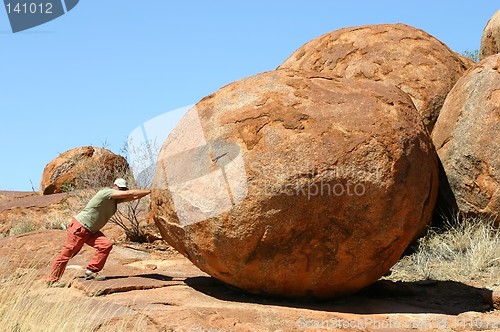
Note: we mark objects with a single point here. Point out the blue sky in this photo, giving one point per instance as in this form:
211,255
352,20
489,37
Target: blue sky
93,75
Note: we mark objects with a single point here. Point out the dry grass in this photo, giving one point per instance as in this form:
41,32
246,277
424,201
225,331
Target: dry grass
466,249
24,225
26,304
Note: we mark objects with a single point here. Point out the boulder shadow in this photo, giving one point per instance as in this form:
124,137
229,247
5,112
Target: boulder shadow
446,207
382,297
124,283
155,276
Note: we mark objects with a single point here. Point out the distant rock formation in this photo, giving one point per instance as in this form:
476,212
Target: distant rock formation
490,40
327,181
82,167
409,58
467,139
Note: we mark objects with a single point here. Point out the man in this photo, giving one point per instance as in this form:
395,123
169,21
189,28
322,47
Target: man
85,227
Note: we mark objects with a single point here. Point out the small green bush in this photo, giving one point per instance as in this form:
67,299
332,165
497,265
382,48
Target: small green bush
473,55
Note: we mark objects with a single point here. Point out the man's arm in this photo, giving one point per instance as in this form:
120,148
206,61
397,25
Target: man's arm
129,195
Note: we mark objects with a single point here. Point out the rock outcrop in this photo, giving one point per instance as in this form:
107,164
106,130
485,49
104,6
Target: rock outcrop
82,167
294,184
402,55
21,212
467,139
490,40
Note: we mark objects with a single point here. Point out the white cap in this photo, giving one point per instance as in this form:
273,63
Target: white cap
121,183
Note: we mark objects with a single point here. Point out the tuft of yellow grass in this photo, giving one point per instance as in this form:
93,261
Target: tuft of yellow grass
465,249
22,226
26,304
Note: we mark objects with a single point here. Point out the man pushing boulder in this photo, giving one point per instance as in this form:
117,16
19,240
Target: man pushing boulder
85,227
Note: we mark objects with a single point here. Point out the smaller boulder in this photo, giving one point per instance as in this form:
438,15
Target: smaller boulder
83,167
398,54
467,141
490,40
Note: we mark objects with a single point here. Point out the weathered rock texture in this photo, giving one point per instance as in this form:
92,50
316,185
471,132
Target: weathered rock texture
82,167
339,176
467,139
407,57
490,40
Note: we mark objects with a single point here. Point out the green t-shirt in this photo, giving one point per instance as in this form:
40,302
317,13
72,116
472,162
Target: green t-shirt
98,210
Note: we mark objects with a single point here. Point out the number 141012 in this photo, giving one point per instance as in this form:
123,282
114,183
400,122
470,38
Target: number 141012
29,8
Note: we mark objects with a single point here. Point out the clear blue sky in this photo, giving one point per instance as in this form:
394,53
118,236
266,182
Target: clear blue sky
96,73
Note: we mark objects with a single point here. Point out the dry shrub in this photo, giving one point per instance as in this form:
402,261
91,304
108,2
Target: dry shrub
130,216
466,249
98,175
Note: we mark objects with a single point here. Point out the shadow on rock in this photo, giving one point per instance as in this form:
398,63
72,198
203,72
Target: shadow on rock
382,297
123,283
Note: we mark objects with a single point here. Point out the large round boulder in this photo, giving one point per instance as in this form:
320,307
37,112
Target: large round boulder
82,167
467,139
402,55
490,40
293,185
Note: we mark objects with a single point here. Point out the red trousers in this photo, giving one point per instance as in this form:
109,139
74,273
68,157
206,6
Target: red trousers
76,236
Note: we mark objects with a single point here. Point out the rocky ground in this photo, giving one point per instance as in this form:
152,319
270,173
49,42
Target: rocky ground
155,286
